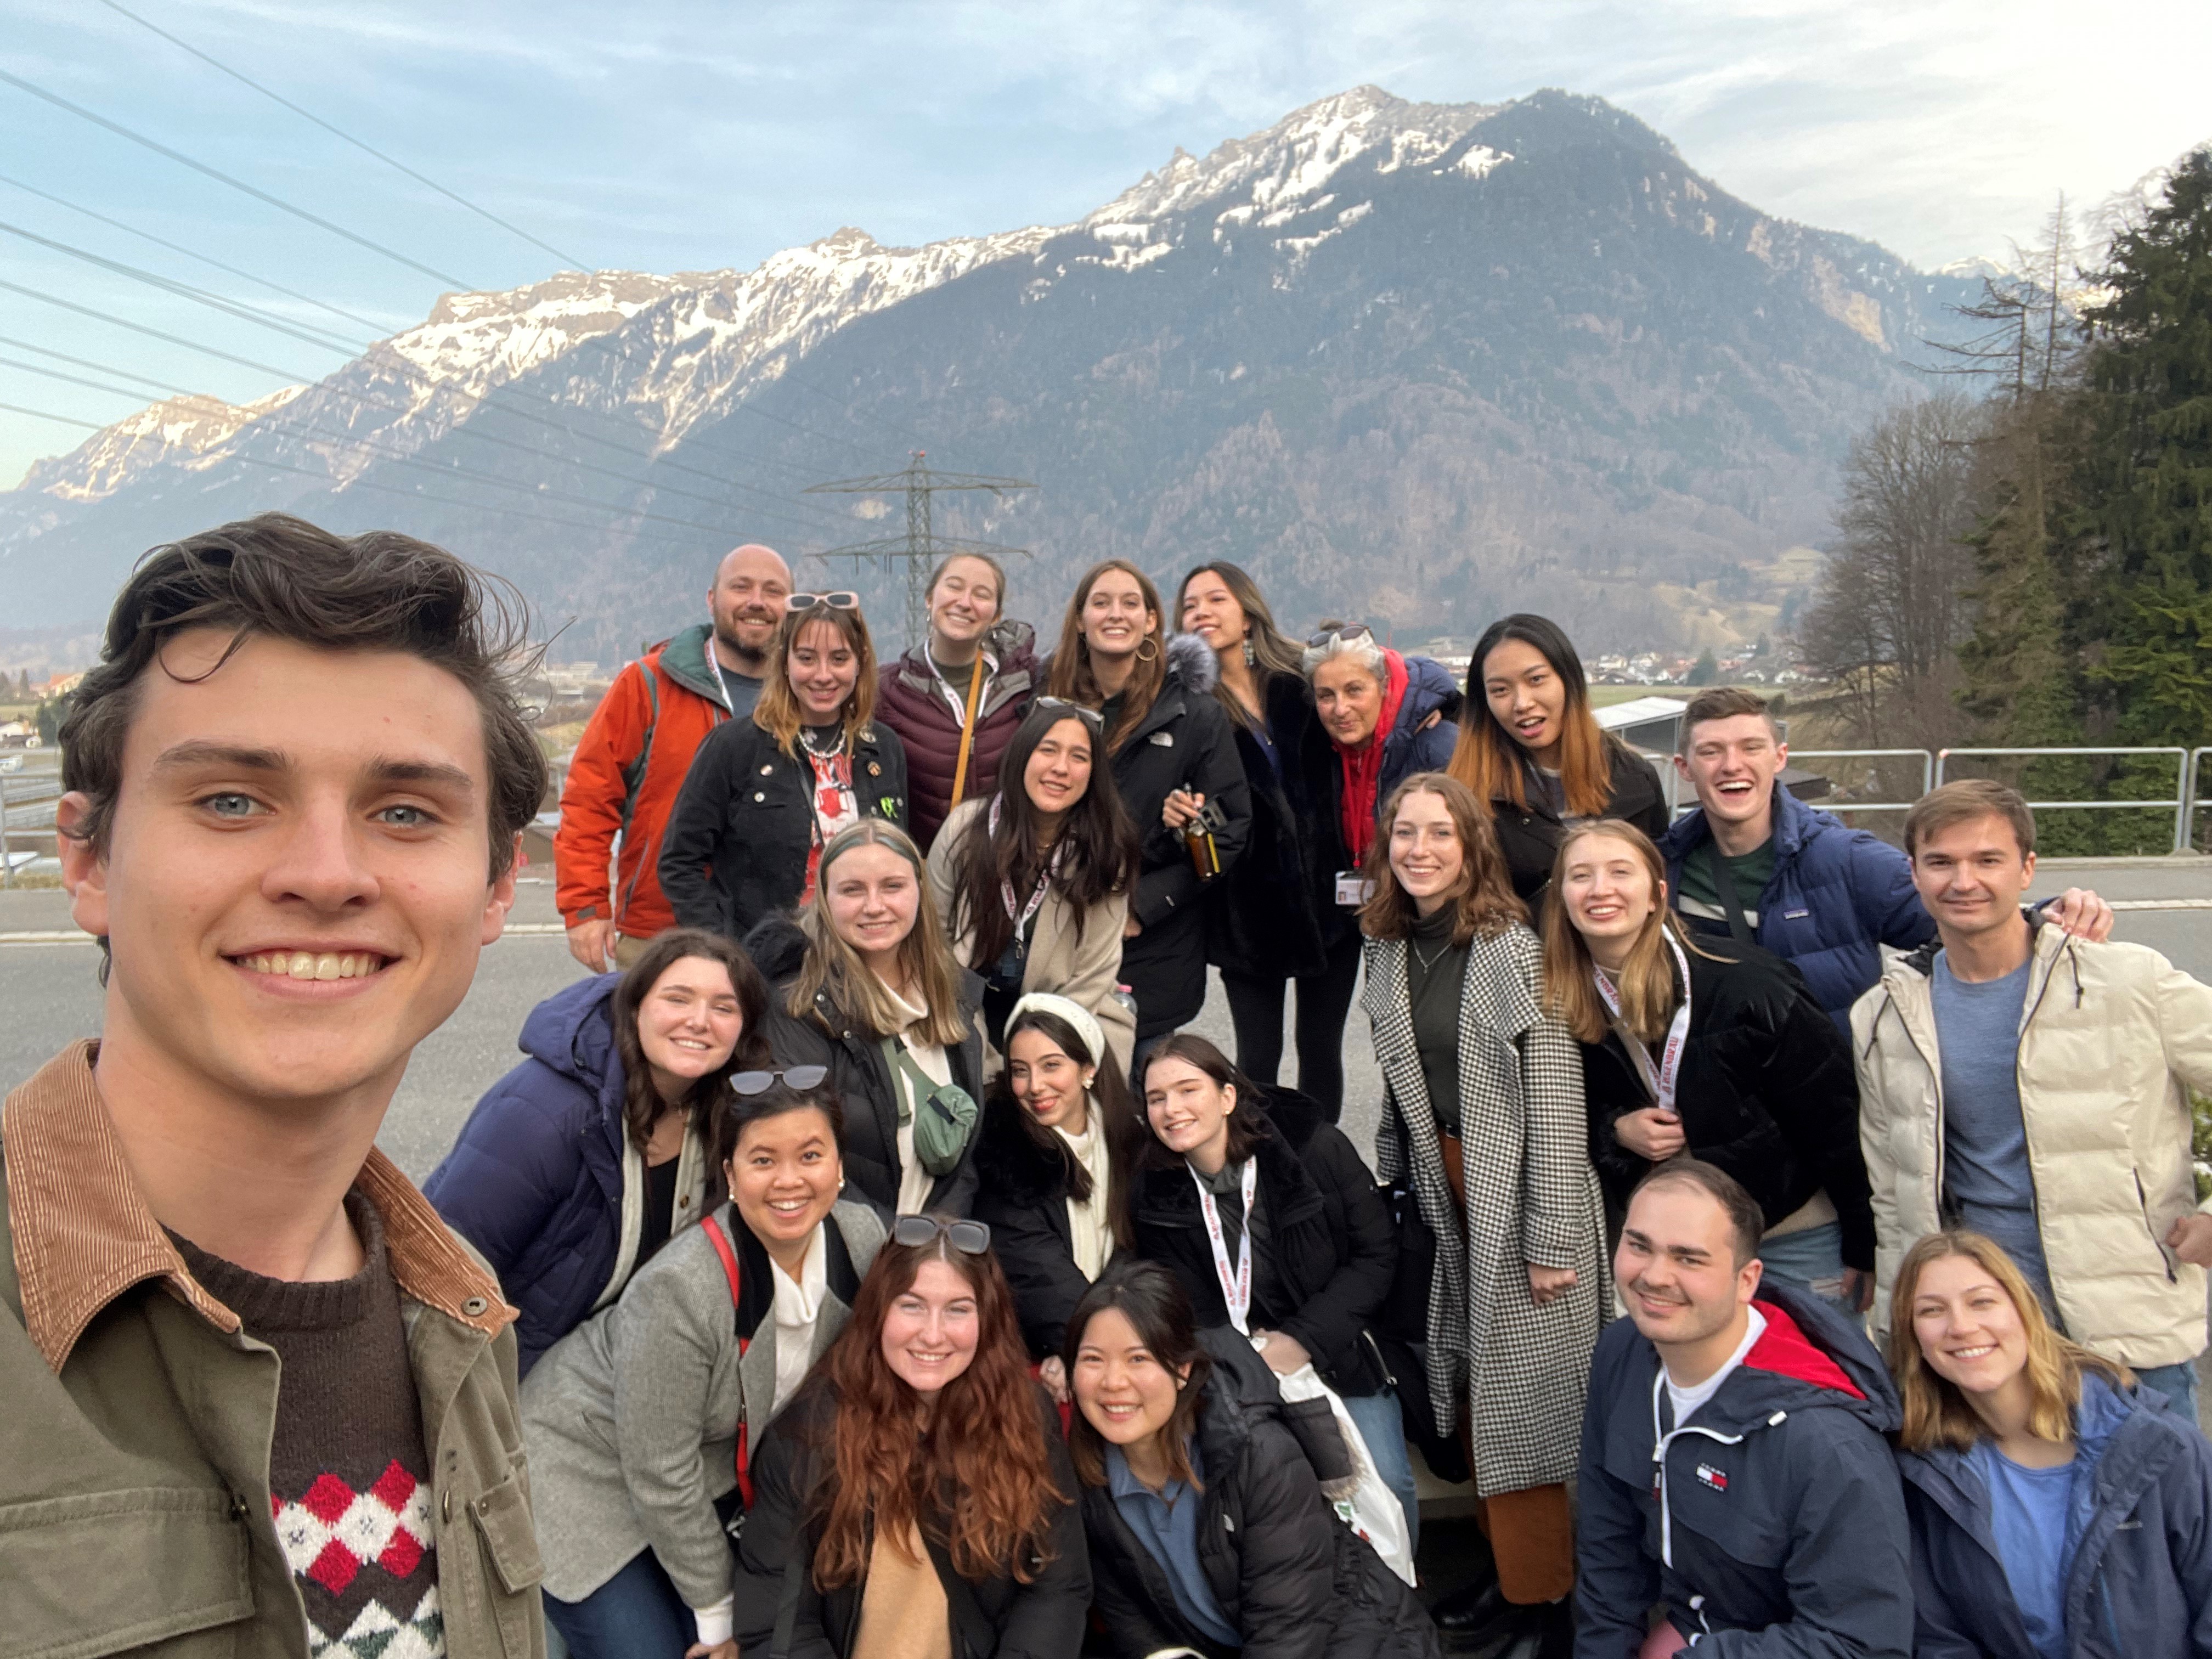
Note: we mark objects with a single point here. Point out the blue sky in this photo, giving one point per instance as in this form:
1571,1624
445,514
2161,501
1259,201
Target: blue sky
668,134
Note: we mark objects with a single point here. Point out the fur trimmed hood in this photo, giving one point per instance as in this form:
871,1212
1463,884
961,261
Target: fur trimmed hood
1191,663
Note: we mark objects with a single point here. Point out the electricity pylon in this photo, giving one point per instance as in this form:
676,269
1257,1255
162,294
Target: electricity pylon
920,547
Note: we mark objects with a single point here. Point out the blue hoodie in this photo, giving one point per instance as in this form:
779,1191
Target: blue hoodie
1836,896
2140,1531
1771,1523
535,1181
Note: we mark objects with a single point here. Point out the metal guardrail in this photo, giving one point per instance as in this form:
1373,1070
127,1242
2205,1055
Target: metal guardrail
1927,773
2183,806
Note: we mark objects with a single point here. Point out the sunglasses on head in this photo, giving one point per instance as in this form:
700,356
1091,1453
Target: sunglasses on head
1349,631
1061,705
969,1237
801,1077
843,600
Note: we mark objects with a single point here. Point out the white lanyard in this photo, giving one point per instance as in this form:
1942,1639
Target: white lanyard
1677,1033
1235,1290
1021,916
959,699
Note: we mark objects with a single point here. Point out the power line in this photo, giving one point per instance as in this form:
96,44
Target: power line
42,415
920,546
376,329
238,308
401,409
259,195
309,115
74,379
86,362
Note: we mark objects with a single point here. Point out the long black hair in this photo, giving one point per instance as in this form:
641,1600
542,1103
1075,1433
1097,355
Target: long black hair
1110,1102
1093,857
1153,1299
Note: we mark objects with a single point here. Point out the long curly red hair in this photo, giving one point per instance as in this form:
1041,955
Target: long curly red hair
983,1457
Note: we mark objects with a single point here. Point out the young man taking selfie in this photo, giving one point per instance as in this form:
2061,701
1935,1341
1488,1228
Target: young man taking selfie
258,1393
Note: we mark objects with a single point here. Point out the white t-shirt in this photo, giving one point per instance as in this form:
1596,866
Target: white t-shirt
915,1182
1686,1401
1087,1229
797,1311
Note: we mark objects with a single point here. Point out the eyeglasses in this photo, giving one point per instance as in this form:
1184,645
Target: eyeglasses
1090,717
969,1237
1350,631
801,1077
843,600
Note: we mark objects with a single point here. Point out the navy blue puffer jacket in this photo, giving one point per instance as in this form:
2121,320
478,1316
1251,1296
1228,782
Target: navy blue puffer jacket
2142,1526
1836,896
535,1182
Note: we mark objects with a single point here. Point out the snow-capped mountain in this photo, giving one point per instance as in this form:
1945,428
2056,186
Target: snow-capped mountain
1408,359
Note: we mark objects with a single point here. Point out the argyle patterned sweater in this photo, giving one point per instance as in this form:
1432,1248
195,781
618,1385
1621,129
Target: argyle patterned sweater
348,1470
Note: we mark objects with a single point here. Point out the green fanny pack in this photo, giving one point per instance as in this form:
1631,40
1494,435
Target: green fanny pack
947,1113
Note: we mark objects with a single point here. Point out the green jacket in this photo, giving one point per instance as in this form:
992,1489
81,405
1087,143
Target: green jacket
135,1506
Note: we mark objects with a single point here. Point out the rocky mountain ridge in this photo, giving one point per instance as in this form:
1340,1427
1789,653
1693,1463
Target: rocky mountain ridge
1416,362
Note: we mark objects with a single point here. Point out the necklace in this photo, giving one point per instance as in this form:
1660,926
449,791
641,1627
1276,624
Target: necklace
1428,962
806,737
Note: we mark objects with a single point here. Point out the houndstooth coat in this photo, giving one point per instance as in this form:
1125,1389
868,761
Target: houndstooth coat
1531,1197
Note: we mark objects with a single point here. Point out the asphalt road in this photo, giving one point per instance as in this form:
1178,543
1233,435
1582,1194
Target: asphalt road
50,995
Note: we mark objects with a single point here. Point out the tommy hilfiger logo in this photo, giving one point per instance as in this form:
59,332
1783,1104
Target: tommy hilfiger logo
1717,1479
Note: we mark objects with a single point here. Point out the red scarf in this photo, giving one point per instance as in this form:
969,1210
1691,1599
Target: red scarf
1363,767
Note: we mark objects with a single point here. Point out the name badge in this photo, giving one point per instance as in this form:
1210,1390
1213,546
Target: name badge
1351,890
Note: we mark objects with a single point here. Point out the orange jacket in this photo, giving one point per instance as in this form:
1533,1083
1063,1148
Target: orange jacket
627,768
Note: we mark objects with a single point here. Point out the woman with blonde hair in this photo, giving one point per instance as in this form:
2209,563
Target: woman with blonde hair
1483,1116
867,985
2058,1511
1707,1047
1531,746
765,794
1174,765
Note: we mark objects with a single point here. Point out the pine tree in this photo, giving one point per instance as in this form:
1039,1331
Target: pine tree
2145,474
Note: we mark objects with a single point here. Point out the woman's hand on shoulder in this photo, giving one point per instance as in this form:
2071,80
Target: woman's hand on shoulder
1052,1373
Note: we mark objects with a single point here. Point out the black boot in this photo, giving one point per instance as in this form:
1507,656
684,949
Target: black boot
1472,1607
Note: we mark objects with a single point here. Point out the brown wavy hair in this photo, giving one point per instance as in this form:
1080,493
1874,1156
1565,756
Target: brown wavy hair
1936,1412
709,1096
778,713
1490,761
1072,677
985,1441
1487,903
1648,995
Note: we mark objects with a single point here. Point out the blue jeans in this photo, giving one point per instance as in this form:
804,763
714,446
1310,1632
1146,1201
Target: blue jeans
2177,1382
1383,1427
1811,1260
636,1615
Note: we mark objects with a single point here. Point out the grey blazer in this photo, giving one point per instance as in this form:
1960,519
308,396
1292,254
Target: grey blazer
630,1421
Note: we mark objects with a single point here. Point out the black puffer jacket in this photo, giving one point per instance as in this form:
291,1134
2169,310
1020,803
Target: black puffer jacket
1529,835
736,845
1021,1191
1293,1580
1274,912
1325,1231
1182,742
858,1072
779,1611
1766,1092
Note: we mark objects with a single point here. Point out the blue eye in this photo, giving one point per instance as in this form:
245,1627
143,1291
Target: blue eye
406,818
230,805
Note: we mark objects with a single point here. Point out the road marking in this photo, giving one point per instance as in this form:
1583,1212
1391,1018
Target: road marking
77,936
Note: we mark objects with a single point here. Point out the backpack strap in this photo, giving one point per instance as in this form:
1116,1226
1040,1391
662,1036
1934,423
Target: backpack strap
633,774
730,1272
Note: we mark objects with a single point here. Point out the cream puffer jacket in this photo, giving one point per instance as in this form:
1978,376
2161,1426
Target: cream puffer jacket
2110,1035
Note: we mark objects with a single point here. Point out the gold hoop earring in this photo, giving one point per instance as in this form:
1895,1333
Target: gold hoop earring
1154,644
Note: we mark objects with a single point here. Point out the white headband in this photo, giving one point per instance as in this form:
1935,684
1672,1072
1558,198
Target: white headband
1086,1025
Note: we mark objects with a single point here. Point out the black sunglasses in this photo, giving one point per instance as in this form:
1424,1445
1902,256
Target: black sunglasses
843,600
1350,631
1090,717
969,1237
801,1077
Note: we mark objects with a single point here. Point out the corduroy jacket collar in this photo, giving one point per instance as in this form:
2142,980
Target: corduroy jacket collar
83,1234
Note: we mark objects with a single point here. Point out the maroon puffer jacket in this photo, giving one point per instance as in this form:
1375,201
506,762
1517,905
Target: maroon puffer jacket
910,699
